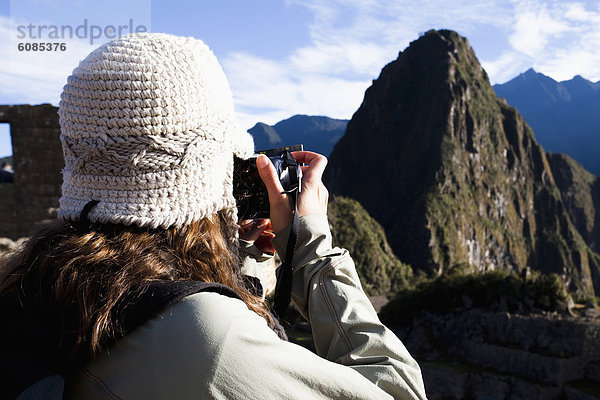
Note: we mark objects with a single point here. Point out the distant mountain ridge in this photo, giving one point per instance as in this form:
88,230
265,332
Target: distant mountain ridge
317,133
455,175
565,116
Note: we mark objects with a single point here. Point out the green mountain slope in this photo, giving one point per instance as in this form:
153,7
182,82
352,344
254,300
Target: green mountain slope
352,228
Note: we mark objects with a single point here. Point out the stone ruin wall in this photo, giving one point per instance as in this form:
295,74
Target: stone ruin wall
32,200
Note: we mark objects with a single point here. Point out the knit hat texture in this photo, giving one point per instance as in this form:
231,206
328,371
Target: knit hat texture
148,129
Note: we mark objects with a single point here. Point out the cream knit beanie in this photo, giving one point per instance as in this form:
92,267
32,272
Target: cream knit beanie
148,130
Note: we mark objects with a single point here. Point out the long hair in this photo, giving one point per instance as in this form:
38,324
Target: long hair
76,277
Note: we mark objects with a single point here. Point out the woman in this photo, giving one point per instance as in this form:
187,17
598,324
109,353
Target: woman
149,135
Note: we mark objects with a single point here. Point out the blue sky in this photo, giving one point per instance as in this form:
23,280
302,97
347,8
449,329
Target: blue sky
285,57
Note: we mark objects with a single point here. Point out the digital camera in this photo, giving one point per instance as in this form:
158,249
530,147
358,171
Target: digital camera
249,190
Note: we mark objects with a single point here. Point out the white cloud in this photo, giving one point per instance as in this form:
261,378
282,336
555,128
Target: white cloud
558,38
535,25
268,91
351,41
508,65
34,76
576,53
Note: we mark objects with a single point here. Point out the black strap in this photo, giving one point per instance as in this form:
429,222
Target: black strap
83,217
162,294
157,296
283,288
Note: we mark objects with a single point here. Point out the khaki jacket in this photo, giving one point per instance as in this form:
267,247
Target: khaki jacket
209,346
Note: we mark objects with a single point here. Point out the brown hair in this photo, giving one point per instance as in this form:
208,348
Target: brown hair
77,276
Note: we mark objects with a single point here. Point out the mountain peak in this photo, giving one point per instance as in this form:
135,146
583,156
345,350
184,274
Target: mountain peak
453,174
534,76
443,47
579,87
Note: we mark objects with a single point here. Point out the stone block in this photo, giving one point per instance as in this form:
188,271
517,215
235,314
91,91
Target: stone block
444,381
593,372
573,393
38,161
521,363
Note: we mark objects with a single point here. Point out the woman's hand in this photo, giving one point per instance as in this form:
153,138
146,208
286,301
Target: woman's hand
313,197
258,231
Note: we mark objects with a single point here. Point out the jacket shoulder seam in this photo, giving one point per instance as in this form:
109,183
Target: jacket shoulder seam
100,383
329,302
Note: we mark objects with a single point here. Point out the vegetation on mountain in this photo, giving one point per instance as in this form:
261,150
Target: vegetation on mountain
496,290
381,273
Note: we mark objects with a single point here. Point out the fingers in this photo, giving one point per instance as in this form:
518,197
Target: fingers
254,229
264,243
309,157
267,173
259,232
316,164
314,196
246,224
280,209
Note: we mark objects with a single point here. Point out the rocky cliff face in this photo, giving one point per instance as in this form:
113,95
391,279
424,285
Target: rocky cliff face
454,174
580,192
